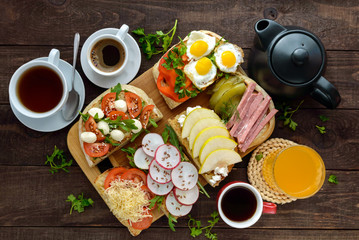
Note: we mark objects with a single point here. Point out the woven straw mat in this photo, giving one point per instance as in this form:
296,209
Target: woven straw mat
254,170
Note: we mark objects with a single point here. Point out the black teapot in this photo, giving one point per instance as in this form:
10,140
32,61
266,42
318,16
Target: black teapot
288,62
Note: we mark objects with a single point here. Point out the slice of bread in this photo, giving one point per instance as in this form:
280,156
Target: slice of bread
170,102
156,115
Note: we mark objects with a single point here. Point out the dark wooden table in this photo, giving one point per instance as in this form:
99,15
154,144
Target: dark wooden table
32,200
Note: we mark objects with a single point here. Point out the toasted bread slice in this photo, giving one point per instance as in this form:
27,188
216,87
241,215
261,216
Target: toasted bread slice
156,115
170,102
260,138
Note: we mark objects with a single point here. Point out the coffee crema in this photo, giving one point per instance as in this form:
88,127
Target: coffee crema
107,55
239,204
39,89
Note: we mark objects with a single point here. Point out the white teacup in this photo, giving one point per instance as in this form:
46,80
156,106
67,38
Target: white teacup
107,54
39,71
252,205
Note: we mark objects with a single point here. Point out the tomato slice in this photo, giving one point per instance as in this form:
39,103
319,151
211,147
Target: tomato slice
136,175
145,115
144,223
148,192
134,104
108,103
96,149
115,114
91,126
113,174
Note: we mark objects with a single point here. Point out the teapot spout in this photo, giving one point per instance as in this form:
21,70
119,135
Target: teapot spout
266,31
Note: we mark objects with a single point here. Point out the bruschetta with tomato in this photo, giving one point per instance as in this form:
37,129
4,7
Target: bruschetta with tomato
195,63
114,118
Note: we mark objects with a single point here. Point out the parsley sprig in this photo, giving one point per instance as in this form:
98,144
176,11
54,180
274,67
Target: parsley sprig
196,226
156,200
153,44
57,154
321,129
171,221
333,179
130,155
287,114
79,203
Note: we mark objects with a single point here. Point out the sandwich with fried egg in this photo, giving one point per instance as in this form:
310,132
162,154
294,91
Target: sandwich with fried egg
195,63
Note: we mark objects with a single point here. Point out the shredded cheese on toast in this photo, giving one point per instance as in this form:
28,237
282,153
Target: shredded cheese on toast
127,201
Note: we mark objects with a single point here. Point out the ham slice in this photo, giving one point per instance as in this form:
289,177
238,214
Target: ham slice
248,115
256,130
256,116
241,104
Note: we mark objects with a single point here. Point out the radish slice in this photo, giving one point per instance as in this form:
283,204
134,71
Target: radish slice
175,208
158,188
151,142
185,176
168,156
159,174
188,197
141,159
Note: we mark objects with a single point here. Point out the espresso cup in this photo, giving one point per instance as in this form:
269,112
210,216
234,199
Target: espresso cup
107,54
38,89
240,205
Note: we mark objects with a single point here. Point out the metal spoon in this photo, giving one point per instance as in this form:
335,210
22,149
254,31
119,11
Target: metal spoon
70,108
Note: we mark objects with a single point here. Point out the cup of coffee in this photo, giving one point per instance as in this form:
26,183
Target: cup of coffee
107,54
38,89
240,205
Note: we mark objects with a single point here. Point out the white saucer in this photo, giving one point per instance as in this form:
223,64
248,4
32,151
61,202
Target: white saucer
55,122
127,74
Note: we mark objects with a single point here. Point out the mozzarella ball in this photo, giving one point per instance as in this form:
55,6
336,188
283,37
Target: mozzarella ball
228,57
121,105
102,125
88,137
95,110
201,72
138,125
117,135
199,45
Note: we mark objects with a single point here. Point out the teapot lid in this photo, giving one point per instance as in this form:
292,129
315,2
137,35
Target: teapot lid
297,57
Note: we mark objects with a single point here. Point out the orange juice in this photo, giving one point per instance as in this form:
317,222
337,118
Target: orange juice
298,171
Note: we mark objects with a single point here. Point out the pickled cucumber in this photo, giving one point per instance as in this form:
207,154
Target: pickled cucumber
230,99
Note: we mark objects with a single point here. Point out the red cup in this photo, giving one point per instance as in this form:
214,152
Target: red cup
254,205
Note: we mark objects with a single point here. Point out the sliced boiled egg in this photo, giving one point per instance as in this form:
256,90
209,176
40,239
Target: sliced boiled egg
201,72
228,57
199,45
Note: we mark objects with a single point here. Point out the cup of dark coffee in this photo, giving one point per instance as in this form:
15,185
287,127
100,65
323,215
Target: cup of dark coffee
38,89
240,205
107,54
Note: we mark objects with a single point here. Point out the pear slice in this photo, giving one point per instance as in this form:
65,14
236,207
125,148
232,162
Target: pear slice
194,116
215,143
205,134
219,158
202,124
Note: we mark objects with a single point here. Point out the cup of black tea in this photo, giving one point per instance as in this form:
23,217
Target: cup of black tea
107,54
240,205
38,89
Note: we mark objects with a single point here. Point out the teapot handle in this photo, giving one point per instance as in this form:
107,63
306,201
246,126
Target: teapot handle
325,93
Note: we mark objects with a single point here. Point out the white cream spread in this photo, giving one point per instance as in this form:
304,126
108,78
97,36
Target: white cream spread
182,117
219,172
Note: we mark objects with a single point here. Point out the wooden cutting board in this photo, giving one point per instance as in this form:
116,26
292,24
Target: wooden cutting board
147,83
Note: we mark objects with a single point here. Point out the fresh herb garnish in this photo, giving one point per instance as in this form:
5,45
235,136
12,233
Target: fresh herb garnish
108,140
79,203
153,122
117,89
57,154
287,115
156,200
152,43
259,156
323,118
130,153
165,135
333,179
171,221
126,125
172,136
196,226
202,190
227,110
135,135
321,129
85,117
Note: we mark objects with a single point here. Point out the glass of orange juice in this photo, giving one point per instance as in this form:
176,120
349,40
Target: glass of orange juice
297,171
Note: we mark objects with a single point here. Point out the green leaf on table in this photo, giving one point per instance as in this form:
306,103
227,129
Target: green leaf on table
333,179
323,118
196,226
321,129
259,156
79,203
57,161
